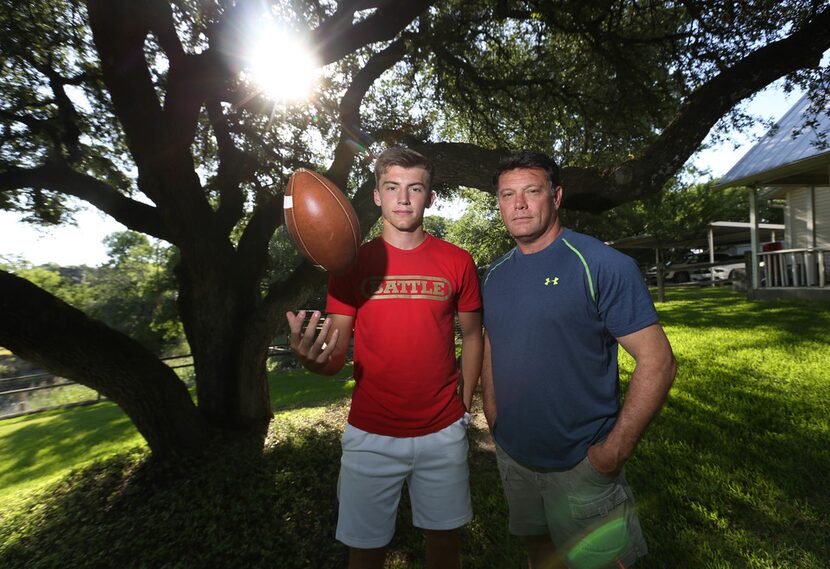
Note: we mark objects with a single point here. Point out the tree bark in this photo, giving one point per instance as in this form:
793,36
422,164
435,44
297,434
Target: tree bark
45,330
217,308
219,285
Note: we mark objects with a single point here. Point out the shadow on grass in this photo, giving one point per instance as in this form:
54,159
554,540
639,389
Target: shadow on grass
714,489
38,446
236,507
733,474
705,308
47,444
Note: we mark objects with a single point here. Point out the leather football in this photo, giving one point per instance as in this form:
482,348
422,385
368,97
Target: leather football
321,221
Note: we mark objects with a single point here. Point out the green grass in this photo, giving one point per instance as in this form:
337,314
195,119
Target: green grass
297,388
38,449
732,474
734,471
60,396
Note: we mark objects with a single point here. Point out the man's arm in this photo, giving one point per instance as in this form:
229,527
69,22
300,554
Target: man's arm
324,352
653,375
472,346
488,394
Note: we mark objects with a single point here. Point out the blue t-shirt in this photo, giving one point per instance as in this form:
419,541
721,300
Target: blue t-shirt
553,318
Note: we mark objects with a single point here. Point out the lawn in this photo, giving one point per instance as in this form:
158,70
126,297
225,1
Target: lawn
733,473
38,449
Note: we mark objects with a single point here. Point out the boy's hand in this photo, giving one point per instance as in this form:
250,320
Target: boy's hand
308,346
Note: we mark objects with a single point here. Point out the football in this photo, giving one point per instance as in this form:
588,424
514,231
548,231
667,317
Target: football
321,221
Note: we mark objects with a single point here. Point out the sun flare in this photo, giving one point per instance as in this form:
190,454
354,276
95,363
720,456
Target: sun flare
282,66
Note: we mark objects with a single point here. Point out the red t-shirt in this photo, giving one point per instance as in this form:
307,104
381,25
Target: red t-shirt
404,304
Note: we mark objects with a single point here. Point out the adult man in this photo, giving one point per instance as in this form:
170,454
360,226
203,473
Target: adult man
406,422
555,309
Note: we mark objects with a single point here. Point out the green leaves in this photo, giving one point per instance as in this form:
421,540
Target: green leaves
134,291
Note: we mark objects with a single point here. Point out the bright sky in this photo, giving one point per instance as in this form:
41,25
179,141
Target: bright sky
82,243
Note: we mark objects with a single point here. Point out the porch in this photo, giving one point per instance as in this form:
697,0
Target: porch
791,166
792,273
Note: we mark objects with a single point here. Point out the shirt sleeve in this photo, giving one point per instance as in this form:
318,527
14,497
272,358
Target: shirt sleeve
623,299
341,296
469,297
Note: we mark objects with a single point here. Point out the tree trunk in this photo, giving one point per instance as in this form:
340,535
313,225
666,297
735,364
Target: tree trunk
43,329
217,306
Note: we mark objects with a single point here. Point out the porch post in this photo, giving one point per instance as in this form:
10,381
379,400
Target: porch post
753,235
811,227
811,216
712,255
661,290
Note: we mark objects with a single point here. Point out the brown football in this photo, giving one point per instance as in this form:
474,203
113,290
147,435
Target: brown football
321,221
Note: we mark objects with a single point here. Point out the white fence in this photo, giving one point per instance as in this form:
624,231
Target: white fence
36,392
794,268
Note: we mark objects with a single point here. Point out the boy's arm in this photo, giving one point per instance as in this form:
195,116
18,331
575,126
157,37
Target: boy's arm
472,347
488,394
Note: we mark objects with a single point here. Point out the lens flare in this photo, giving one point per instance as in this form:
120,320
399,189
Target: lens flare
601,547
281,65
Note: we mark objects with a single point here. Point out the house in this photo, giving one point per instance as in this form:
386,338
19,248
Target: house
791,163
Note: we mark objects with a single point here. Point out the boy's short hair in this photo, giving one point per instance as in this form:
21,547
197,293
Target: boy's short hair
405,158
528,159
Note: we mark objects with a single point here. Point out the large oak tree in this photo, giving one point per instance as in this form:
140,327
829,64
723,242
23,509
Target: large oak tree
144,109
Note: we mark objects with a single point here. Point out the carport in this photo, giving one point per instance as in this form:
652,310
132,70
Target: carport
718,233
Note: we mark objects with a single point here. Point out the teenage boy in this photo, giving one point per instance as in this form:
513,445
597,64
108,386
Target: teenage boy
407,421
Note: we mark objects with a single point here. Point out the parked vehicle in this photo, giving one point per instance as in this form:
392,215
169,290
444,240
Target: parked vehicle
722,273
682,270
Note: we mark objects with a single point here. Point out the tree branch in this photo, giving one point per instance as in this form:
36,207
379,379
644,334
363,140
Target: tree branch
231,164
45,330
253,245
337,37
351,136
159,145
707,104
598,189
119,29
462,164
59,178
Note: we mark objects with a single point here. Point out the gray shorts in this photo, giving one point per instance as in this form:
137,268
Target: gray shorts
590,518
373,469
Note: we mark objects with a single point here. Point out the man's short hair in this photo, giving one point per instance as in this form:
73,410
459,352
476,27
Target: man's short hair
405,158
528,159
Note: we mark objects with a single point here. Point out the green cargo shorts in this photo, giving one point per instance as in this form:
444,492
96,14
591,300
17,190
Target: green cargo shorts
591,518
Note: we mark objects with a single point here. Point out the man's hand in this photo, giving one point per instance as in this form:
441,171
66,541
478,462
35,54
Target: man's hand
605,459
653,374
311,348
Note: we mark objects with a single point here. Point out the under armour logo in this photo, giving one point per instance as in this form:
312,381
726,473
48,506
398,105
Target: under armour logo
552,281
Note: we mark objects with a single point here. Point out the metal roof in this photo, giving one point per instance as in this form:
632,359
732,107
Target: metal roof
783,157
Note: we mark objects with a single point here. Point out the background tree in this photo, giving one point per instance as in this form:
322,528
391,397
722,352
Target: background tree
147,110
682,211
480,229
133,291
